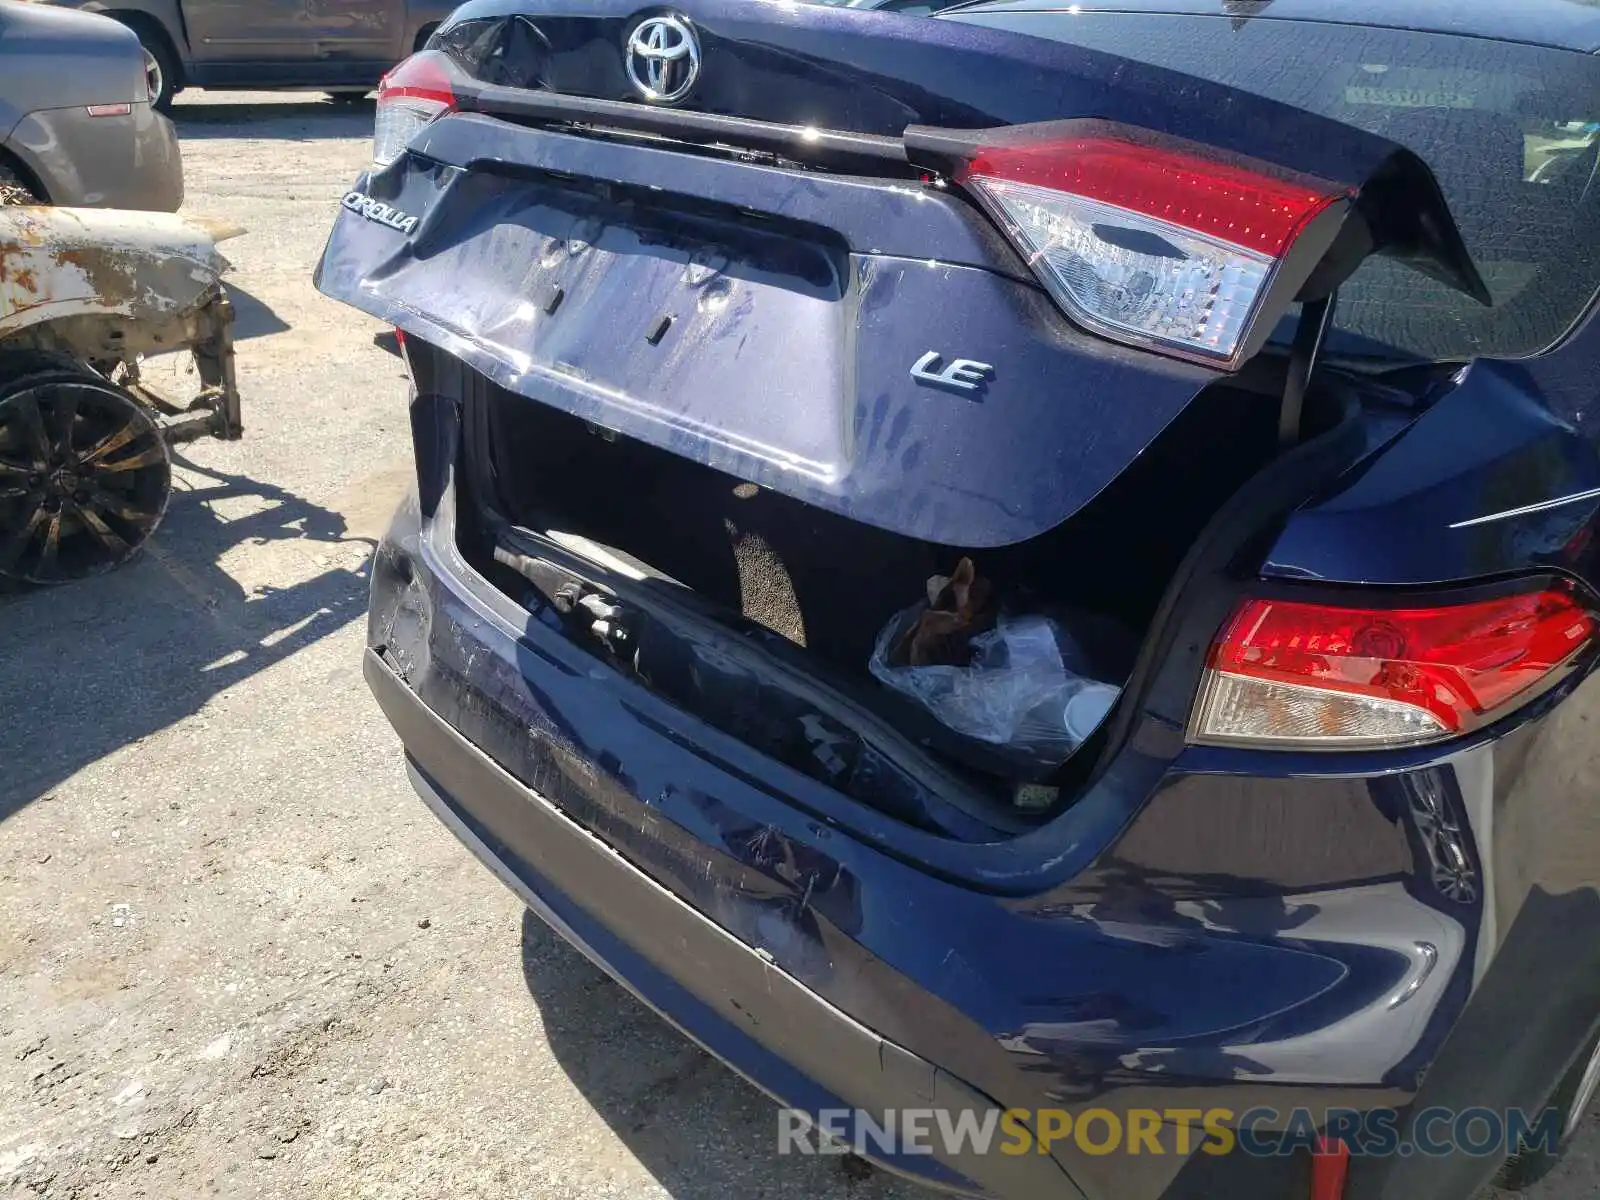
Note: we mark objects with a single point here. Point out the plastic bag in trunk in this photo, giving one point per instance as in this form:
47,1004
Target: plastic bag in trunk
1018,692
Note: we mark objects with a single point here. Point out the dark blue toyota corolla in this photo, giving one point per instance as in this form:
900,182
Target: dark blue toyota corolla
792,381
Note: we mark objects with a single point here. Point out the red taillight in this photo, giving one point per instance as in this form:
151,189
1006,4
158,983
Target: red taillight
1219,201
417,92
1150,244
1312,675
403,348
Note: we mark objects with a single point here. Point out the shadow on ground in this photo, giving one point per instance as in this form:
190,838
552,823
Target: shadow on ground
93,666
251,317
700,1130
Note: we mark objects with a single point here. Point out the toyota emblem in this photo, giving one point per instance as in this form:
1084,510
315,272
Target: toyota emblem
663,58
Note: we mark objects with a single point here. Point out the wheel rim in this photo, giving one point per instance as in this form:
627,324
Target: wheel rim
155,79
84,480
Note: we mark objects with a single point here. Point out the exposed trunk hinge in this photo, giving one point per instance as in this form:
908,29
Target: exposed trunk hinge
1316,318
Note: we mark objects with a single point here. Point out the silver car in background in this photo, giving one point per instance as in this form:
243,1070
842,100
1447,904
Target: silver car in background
77,127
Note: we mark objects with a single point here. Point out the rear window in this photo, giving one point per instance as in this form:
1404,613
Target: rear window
1511,131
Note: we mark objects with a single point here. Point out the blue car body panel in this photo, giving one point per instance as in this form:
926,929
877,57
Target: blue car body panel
661,991
1200,927
1228,927
877,73
1488,482
1559,24
822,322
847,284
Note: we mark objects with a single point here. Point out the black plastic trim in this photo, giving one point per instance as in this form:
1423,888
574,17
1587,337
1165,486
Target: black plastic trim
801,143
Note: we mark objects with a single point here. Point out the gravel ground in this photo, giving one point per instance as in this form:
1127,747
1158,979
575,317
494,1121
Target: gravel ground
238,958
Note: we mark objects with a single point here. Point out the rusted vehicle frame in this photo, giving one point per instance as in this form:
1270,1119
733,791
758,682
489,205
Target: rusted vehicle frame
86,296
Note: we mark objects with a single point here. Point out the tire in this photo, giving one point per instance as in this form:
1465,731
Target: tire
1571,1100
85,474
161,66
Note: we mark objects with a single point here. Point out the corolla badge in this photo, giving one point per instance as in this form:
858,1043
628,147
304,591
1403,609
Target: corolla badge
663,59
377,210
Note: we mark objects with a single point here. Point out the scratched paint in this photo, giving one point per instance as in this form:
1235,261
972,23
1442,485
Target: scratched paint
64,262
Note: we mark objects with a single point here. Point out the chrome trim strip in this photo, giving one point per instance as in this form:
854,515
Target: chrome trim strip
1542,506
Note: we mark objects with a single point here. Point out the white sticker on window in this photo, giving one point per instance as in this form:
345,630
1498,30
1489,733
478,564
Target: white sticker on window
1389,97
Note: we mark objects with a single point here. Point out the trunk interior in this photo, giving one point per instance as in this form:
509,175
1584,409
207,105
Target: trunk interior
756,561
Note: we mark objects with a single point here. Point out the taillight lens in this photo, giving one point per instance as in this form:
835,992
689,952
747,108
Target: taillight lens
1314,676
1147,244
414,94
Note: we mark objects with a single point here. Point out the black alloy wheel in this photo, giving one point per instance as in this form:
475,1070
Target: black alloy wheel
85,476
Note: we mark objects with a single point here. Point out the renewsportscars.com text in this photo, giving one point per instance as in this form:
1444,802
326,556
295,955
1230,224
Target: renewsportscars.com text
1261,1132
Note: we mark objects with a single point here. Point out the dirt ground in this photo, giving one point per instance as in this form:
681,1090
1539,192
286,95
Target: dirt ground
238,958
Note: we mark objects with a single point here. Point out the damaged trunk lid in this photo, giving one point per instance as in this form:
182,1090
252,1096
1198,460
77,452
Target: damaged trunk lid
795,273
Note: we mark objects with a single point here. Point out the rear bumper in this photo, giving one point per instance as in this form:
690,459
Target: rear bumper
1223,933
736,1003
103,162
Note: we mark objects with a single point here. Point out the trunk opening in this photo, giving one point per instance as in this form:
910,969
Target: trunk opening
758,613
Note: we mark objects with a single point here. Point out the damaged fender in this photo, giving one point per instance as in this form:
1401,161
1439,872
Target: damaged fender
108,287
85,442
67,262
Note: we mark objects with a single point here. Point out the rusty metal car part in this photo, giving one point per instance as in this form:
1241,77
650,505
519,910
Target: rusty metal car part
85,297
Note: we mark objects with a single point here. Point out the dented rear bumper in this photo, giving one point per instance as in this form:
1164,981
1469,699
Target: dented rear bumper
733,1000
785,930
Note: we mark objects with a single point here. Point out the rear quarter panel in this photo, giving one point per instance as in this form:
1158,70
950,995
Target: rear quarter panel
1500,476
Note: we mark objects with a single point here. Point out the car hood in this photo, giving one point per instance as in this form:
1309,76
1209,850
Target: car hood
61,58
